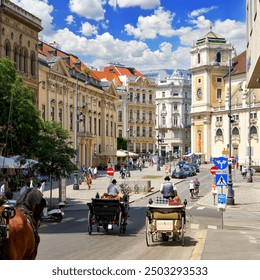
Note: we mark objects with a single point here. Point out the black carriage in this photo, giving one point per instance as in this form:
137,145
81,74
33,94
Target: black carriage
106,213
165,221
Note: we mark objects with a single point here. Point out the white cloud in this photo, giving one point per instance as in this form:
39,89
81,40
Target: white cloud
91,9
160,23
144,4
87,29
198,12
70,19
39,8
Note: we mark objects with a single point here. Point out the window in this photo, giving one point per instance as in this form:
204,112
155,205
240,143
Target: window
43,112
253,115
175,106
218,57
150,132
219,93
235,131
236,117
131,114
150,98
253,130
60,115
138,131
219,133
144,132
131,131
52,113
163,94
219,119
198,58
120,116
90,125
219,80
144,97
150,115
138,97
143,115
199,80
95,126
71,120
111,128
138,114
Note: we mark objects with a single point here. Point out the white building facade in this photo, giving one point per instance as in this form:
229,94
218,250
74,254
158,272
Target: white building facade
173,101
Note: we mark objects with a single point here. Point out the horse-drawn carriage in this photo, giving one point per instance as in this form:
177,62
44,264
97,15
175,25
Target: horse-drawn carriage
164,221
107,212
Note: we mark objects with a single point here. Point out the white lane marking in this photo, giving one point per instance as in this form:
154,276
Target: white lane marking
212,227
189,207
201,208
67,219
82,220
194,226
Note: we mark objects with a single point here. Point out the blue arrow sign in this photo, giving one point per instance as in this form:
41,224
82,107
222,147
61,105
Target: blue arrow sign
221,163
221,179
222,198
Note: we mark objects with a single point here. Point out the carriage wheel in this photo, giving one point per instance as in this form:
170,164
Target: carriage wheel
89,223
148,234
182,231
121,223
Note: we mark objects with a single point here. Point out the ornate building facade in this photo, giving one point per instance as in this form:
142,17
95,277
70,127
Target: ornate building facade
87,108
19,40
216,75
173,101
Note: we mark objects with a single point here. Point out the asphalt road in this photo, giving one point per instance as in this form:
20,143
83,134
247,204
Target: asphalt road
70,239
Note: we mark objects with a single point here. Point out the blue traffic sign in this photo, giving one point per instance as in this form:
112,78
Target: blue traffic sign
222,198
221,163
221,179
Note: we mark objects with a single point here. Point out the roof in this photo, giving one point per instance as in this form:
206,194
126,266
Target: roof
107,76
122,71
239,64
211,37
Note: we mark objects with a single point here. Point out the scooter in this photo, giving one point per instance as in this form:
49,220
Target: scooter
54,214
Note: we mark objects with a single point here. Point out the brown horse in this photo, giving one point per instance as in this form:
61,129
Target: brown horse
23,240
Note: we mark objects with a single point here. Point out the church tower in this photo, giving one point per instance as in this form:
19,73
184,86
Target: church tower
209,66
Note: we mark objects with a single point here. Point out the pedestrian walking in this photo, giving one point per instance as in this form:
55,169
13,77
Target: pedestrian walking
89,181
244,171
95,172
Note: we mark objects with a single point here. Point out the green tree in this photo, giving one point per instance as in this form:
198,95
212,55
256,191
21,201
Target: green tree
54,152
20,121
121,143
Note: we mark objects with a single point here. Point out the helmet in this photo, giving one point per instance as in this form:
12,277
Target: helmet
191,181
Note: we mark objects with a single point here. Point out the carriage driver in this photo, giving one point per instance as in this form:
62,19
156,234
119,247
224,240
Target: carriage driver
113,189
168,190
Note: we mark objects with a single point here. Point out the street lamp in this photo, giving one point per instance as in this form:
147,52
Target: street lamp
77,120
249,177
158,143
230,194
127,159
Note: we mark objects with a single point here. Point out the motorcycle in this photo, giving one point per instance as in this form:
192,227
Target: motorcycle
53,214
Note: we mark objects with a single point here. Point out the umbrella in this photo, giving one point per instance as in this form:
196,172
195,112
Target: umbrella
120,153
7,162
132,154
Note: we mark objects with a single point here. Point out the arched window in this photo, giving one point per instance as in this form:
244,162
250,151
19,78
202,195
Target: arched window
25,57
16,56
218,57
219,132
253,130
33,63
8,49
235,131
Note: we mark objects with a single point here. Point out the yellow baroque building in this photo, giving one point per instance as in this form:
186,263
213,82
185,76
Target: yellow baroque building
215,69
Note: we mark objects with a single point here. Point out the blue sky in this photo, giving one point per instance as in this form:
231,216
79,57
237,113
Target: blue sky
145,34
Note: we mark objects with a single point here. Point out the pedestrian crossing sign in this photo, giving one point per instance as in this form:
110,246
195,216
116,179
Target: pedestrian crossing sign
221,179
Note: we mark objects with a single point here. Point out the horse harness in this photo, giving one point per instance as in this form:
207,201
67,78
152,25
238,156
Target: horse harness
7,213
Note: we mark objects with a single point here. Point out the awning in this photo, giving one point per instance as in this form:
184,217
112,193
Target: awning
120,153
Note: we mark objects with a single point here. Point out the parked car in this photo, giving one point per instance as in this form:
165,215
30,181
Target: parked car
197,168
188,170
179,172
